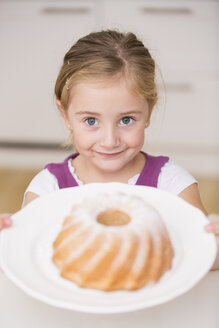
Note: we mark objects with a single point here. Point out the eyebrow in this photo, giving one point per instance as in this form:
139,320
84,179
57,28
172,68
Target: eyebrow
98,114
132,112
87,113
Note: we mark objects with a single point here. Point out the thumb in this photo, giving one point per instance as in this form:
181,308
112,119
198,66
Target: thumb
213,217
213,225
5,221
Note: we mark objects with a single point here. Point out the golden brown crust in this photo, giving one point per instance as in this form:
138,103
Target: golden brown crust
100,260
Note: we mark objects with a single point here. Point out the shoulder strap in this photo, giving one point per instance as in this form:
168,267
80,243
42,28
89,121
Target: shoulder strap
148,177
150,173
62,173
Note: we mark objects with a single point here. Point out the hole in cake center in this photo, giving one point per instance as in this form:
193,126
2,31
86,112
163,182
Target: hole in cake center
113,218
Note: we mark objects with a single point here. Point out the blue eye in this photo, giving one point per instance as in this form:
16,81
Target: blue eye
126,120
91,121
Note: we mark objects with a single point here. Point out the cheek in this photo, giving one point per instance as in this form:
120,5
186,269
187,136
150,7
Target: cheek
135,138
82,139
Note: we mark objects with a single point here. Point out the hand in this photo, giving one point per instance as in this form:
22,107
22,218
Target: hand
213,227
5,221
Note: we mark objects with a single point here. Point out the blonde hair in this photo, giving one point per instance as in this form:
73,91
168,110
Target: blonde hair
106,54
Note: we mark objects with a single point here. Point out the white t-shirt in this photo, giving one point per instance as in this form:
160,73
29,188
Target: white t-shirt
172,178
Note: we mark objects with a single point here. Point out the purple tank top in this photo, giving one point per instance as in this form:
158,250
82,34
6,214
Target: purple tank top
148,176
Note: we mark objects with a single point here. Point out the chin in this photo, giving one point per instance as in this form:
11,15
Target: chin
110,166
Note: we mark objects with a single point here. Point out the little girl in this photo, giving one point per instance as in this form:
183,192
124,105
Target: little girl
106,92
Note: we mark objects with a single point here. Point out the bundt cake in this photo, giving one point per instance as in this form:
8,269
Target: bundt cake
113,242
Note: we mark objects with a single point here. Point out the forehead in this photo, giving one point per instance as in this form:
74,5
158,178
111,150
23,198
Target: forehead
114,91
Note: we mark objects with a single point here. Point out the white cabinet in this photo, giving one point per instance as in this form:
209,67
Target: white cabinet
183,38
189,114
181,35
34,37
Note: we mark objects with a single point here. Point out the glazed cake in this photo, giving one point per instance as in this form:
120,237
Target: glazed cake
113,242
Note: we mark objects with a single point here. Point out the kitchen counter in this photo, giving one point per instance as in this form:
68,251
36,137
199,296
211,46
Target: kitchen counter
197,308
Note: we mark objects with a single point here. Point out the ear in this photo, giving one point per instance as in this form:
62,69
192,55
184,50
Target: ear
64,113
150,110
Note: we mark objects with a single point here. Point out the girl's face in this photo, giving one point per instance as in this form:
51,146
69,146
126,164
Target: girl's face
108,123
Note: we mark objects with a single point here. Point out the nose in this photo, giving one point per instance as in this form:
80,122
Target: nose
109,137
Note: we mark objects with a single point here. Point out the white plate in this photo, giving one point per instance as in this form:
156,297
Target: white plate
26,250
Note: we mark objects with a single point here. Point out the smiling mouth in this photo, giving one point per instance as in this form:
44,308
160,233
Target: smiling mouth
109,155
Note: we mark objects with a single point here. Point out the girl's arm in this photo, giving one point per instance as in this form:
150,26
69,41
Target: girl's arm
29,197
191,195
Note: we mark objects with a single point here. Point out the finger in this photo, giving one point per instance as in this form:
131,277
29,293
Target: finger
213,227
5,215
5,222
213,217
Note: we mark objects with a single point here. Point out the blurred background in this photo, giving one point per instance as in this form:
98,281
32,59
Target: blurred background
183,37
